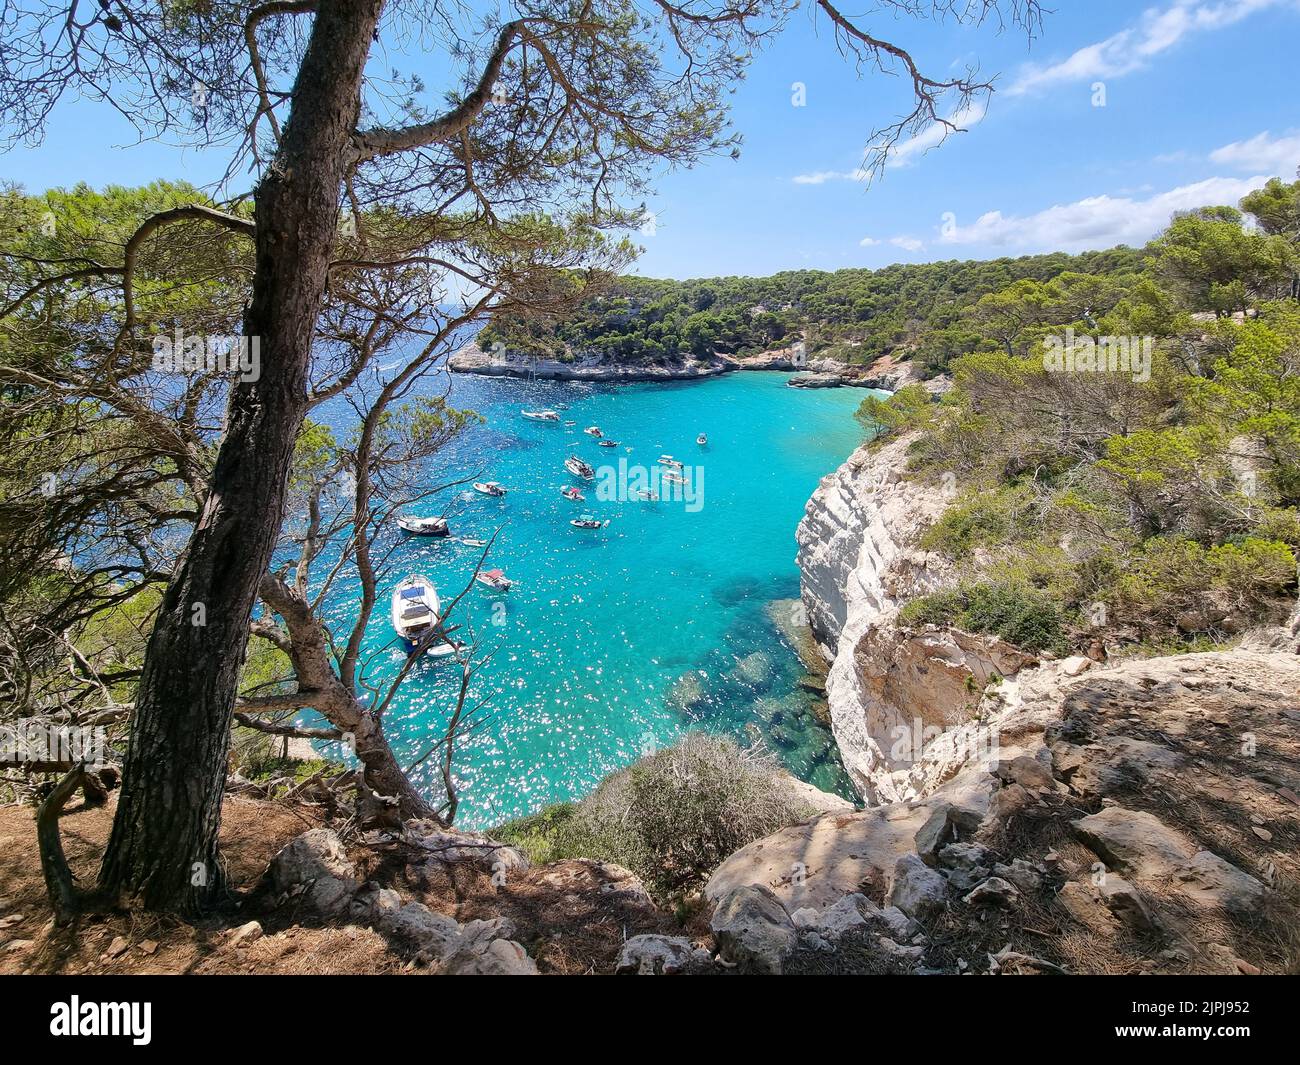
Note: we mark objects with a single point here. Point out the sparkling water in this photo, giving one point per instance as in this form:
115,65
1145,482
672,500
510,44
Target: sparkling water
615,641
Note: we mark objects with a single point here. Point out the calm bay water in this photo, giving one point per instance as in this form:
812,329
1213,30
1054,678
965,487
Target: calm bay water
617,640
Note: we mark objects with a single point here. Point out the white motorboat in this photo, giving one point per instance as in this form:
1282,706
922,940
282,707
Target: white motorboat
579,468
494,579
424,526
470,541
593,430
701,439
569,492
489,488
670,462
415,610
647,497
541,415
588,521
673,478
607,443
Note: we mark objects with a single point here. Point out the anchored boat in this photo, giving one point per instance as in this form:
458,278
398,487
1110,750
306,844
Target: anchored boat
569,492
593,430
541,415
579,468
494,579
489,488
588,521
415,610
424,526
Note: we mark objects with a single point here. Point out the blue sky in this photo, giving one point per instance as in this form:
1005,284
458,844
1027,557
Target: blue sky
1199,108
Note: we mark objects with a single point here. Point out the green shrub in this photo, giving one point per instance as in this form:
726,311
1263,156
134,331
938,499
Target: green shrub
671,817
1017,613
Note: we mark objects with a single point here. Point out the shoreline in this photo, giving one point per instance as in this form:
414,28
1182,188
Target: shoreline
885,373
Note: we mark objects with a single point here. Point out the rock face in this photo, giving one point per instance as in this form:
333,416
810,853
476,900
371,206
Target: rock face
753,931
472,359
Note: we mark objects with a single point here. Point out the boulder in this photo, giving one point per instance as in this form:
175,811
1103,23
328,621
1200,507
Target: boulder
315,869
1126,903
753,930
1210,881
992,892
1028,772
918,890
934,834
479,951
1025,875
651,955
1135,841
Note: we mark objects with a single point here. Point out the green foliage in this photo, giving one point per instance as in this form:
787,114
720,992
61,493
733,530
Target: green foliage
908,408
855,315
671,817
1017,613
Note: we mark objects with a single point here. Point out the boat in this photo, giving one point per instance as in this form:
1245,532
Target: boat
593,430
588,521
470,541
489,488
579,468
701,439
424,526
446,649
541,415
607,443
494,579
670,462
415,610
647,497
569,492
673,478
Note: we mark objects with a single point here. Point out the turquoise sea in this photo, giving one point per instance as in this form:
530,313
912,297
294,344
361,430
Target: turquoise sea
615,641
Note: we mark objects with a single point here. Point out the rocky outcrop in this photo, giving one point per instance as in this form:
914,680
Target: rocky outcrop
1147,814
474,360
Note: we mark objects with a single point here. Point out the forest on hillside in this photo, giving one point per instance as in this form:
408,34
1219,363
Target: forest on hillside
854,315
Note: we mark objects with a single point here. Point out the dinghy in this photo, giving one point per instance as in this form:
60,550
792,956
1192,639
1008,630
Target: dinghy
569,492
470,541
494,579
423,526
489,488
701,439
445,650
415,610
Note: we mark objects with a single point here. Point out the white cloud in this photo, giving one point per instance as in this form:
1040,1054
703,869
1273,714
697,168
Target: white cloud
868,242
1277,155
1158,30
820,177
907,243
913,148
1098,221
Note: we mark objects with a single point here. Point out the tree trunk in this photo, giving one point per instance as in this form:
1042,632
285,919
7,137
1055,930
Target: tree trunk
163,848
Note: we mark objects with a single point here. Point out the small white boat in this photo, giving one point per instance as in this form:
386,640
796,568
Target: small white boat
593,430
446,649
607,443
588,521
647,497
579,468
673,478
415,610
541,415
569,492
494,579
670,462
424,526
701,439
489,488
470,541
